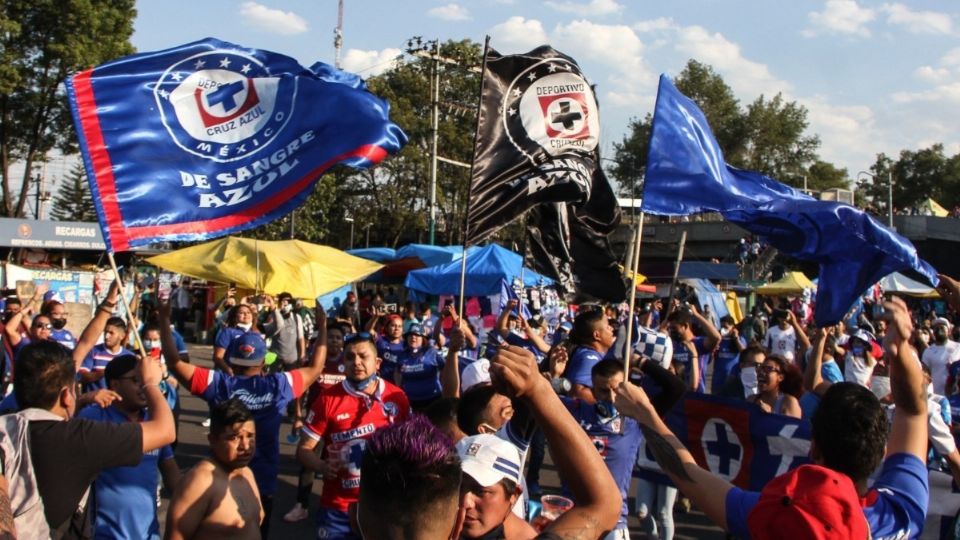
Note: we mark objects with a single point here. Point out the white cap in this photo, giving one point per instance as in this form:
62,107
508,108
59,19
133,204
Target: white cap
489,459
940,321
476,373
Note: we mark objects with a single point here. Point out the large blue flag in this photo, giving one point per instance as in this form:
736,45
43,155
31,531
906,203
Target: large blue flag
687,174
211,138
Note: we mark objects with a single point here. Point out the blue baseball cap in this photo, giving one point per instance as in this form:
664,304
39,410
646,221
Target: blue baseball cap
415,329
248,350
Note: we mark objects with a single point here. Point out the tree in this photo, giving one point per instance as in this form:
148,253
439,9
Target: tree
776,145
74,201
822,176
42,42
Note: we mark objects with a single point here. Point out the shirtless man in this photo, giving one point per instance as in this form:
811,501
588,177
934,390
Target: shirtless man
219,498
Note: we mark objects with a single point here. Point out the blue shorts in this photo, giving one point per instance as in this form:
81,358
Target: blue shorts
334,525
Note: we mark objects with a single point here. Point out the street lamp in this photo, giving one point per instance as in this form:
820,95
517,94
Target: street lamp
889,193
367,227
350,221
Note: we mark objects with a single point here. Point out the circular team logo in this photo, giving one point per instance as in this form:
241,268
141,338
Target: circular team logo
390,408
223,105
551,107
25,231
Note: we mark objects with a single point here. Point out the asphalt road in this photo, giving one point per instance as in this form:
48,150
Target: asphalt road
192,447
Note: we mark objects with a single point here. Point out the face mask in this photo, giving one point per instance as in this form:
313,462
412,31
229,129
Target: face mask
748,378
362,385
857,350
676,336
605,409
940,334
245,326
58,324
286,309
151,344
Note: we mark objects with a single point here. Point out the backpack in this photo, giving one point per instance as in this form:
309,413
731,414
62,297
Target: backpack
17,465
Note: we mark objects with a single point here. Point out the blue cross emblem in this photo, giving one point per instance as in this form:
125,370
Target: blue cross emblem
225,95
723,449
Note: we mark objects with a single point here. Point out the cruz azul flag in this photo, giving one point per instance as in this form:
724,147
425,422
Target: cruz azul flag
538,131
686,174
210,138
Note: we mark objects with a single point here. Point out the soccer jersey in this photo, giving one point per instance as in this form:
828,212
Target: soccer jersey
126,496
518,339
97,360
681,355
343,419
389,353
939,358
420,373
580,365
727,357
781,342
617,439
895,506
267,397
64,337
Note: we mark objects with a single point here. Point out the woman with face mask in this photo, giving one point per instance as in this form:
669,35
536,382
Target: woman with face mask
777,382
940,354
859,361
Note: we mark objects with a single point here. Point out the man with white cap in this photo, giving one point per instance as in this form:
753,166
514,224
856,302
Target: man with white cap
490,488
941,354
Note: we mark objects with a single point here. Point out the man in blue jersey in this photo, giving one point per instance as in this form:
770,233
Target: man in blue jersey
690,351
92,369
126,496
267,396
593,337
57,313
418,370
829,498
728,353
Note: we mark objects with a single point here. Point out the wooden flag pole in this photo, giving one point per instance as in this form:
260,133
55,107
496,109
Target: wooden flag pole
635,263
466,216
126,305
676,273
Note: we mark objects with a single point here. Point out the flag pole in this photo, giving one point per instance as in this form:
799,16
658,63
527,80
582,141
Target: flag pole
126,306
466,214
635,263
676,273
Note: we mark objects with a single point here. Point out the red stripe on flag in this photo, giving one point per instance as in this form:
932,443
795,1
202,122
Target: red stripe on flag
370,152
100,158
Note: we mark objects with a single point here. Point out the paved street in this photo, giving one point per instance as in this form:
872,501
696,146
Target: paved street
193,446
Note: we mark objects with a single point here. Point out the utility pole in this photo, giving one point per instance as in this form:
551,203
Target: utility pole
890,199
338,35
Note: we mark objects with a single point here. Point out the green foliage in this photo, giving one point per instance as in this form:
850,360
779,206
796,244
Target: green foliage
42,42
74,201
769,136
917,176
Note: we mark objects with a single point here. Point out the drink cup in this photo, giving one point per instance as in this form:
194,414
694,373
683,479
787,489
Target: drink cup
553,507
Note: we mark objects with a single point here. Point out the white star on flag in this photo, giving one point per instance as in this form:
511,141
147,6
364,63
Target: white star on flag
176,76
198,64
517,92
512,111
225,63
532,76
245,69
552,68
164,94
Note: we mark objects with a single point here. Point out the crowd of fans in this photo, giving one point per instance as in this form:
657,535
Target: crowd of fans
421,426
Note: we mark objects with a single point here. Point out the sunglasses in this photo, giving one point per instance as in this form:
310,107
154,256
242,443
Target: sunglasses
40,325
767,369
357,337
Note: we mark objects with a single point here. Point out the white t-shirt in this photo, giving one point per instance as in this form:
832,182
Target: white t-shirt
939,358
856,370
782,342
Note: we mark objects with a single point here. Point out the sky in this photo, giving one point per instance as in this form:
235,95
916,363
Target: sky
875,76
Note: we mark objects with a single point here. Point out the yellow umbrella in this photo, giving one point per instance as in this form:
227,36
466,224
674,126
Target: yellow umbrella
303,269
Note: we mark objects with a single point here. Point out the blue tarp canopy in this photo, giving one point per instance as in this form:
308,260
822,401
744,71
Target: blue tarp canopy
709,270
709,295
376,254
432,255
398,262
486,268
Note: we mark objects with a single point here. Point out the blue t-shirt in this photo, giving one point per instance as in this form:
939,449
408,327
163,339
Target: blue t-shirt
126,496
225,337
521,341
617,439
389,354
96,361
64,337
681,355
420,372
727,358
580,365
895,507
267,397
830,372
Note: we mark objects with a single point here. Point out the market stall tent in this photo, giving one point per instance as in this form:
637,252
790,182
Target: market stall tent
486,268
791,283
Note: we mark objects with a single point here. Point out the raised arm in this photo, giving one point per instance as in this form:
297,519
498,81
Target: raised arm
314,369
12,328
534,337
707,491
91,334
183,371
694,365
798,328
812,376
711,336
159,430
908,433
503,320
514,372
450,373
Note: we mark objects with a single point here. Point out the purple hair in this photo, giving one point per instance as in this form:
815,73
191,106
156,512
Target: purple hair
407,468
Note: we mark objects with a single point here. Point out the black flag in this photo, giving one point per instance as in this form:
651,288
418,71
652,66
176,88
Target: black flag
537,134
570,243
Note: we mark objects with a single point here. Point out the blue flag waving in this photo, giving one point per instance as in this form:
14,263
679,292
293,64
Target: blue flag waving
211,138
687,174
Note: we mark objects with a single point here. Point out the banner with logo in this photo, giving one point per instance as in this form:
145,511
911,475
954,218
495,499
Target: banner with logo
735,440
211,138
538,131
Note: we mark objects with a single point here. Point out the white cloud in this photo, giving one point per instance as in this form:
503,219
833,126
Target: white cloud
614,45
271,20
847,133
918,22
369,63
655,25
951,57
593,7
745,76
948,92
841,17
450,12
931,74
517,34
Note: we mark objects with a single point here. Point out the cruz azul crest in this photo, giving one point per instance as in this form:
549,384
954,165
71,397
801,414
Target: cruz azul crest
551,106
223,105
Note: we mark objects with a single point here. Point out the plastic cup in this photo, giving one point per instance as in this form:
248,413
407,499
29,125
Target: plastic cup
552,507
